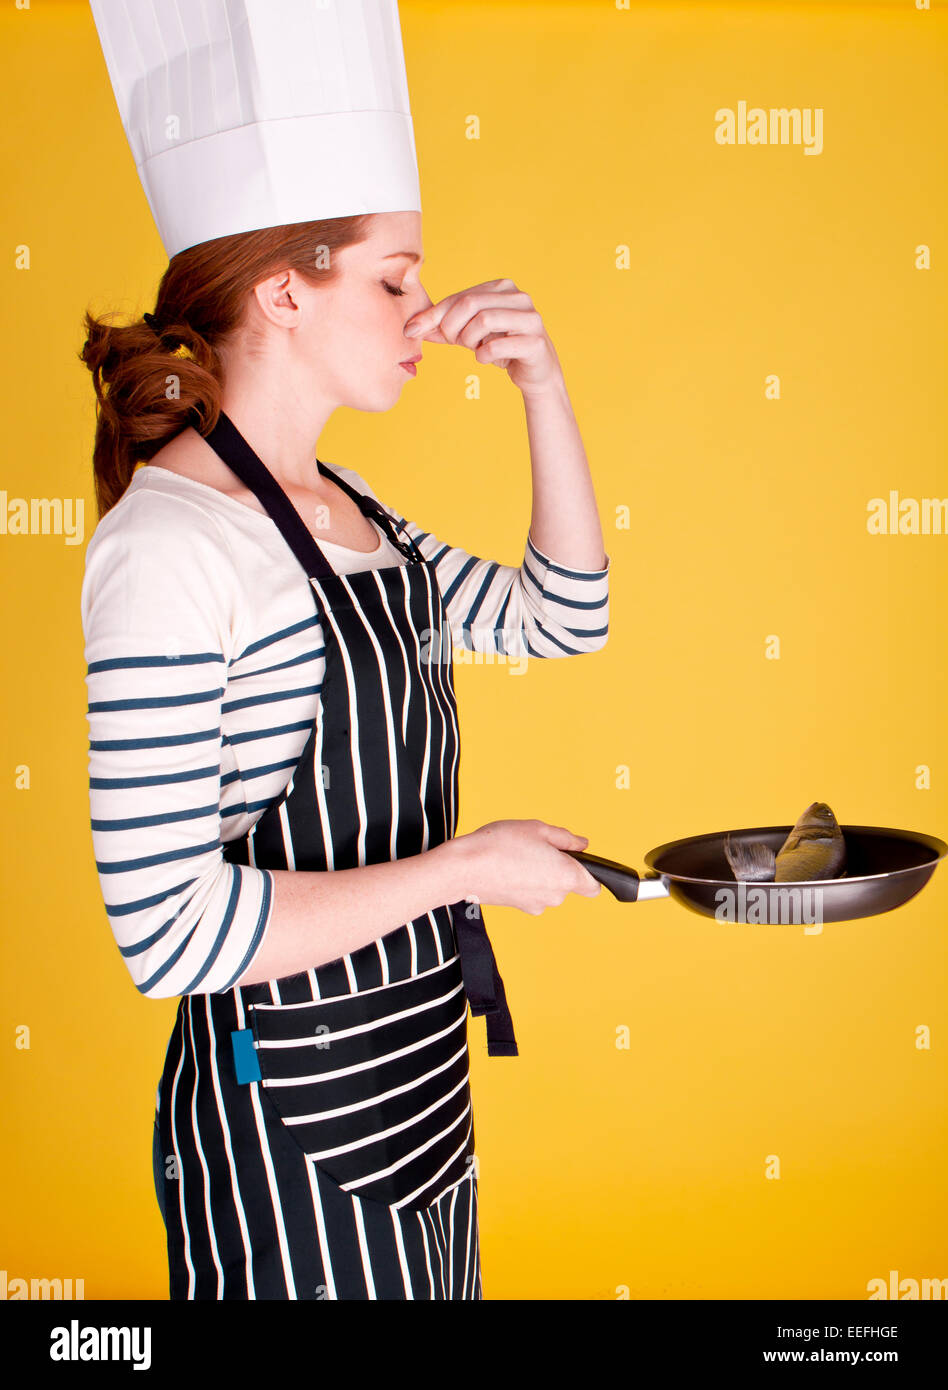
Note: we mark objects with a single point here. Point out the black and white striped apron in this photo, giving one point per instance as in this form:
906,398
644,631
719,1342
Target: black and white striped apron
314,1135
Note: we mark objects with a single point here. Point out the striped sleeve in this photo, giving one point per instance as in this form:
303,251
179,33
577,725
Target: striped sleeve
160,616
541,609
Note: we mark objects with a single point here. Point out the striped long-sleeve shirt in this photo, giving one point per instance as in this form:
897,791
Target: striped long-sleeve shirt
205,658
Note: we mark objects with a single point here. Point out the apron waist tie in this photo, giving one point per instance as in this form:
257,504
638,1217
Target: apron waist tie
482,982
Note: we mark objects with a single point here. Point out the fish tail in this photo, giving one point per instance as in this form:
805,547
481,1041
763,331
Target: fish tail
750,861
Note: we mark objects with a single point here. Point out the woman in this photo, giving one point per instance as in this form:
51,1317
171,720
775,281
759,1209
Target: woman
313,1131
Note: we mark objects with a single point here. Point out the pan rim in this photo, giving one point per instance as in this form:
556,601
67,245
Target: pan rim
939,848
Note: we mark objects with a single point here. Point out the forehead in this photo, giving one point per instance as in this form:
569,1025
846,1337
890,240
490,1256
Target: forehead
394,237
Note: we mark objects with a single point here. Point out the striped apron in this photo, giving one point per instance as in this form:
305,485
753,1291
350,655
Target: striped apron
314,1135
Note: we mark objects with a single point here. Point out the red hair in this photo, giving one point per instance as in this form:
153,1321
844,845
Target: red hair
202,300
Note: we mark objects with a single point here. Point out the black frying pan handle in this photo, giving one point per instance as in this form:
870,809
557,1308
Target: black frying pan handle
621,880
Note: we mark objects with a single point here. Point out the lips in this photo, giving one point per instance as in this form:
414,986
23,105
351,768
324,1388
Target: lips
409,364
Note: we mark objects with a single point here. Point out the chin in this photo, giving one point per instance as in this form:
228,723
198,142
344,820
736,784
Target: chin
382,399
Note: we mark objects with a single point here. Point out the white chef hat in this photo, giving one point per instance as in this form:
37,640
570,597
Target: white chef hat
244,114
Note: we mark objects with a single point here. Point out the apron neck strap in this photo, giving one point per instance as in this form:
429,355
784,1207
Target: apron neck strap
230,445
377,513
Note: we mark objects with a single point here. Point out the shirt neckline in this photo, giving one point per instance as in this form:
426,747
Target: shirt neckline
251,511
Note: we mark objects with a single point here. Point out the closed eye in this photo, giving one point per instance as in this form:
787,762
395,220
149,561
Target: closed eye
393,289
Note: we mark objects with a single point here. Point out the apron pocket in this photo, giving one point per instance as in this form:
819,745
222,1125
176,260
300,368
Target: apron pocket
374,1086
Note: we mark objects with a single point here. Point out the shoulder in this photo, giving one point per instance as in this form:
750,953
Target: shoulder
159,553
156,508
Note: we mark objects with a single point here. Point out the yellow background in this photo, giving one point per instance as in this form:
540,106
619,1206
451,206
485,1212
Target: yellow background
602,1171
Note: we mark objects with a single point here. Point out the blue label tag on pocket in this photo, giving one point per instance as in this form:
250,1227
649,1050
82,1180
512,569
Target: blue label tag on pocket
245,1056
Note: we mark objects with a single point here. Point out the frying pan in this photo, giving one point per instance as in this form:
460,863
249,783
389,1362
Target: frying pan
884,869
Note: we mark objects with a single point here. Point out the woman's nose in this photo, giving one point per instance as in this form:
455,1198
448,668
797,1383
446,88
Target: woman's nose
424,303
418,301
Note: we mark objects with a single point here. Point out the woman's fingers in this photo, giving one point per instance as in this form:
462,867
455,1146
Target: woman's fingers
445,321
497,319
474,315
561,838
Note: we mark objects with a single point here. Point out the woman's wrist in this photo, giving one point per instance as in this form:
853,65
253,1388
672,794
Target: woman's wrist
456,869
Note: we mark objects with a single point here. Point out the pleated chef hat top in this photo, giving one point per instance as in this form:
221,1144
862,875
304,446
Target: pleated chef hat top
243,114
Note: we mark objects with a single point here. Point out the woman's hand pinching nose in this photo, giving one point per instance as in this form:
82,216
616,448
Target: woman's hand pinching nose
500,325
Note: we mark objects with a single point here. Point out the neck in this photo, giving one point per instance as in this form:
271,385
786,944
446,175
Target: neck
280,422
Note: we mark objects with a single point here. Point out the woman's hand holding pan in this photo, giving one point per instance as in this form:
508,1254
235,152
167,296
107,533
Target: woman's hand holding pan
519,863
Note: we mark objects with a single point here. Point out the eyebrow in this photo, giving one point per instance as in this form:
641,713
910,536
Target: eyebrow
412,256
